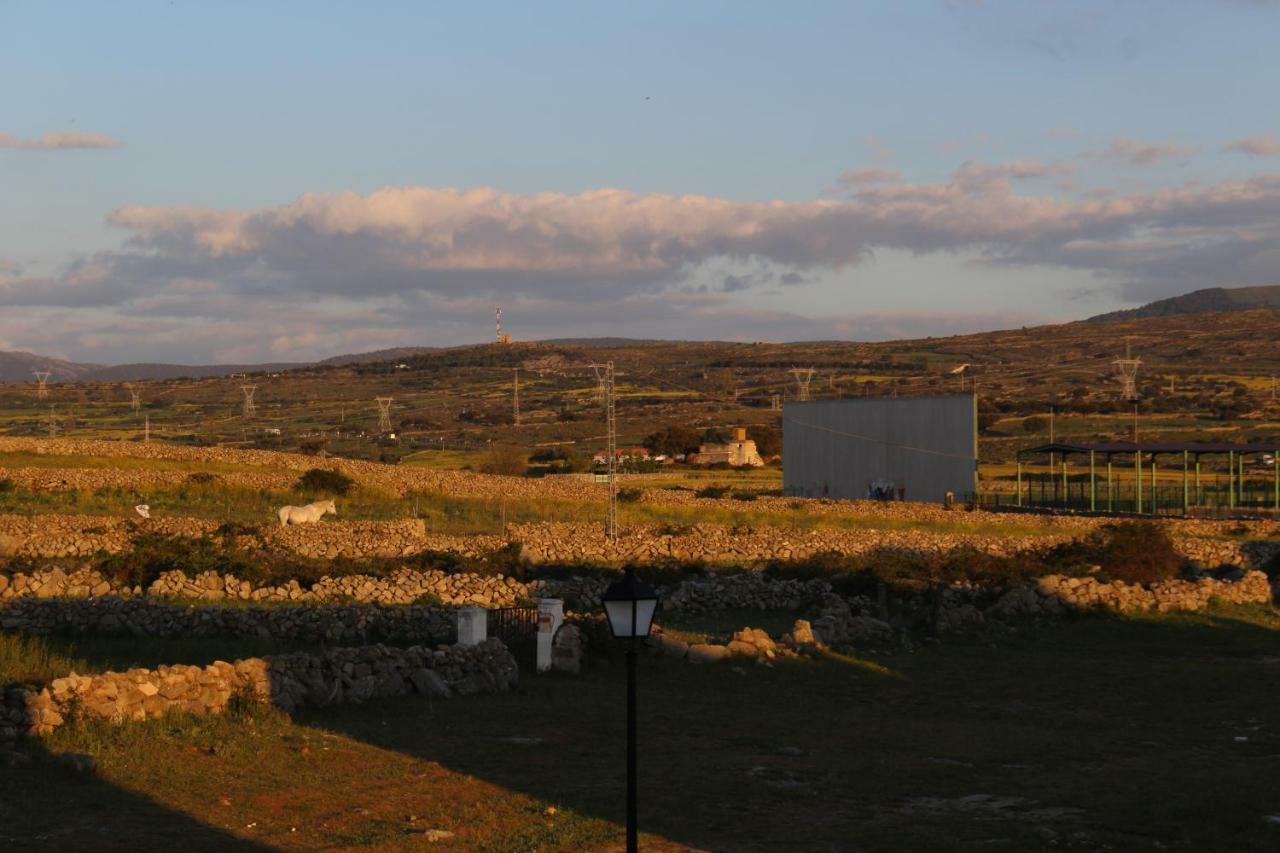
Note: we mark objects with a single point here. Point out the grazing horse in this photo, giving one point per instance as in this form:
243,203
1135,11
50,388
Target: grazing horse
305,514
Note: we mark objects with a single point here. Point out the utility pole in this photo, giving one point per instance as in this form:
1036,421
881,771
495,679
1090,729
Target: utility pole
384,414
135,397
775,402
146,431
515,395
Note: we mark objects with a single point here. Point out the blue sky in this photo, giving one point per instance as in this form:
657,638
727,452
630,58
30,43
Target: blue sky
193,181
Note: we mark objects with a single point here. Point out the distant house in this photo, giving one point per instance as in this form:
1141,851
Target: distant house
624,454
740,451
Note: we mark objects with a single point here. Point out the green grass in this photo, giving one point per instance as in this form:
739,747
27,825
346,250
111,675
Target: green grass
1155,733
38,660
12,459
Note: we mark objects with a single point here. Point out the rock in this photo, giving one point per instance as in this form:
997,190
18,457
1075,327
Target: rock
707,653
428,682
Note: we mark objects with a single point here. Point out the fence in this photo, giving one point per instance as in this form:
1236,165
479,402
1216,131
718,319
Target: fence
1077,494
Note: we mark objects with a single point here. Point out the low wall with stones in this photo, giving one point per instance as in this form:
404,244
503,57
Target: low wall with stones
289,681
143,617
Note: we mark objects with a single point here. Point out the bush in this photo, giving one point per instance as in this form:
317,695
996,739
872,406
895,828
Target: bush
6,485
509,461
745,495
630,495
325,481
1034,423
713,492
1136,552
201,478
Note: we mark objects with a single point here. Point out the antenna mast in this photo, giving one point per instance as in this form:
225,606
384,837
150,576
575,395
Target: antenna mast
497,322
1128,369
42,389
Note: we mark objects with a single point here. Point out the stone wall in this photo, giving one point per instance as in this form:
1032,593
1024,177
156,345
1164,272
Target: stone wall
1056,594
289,681
143,617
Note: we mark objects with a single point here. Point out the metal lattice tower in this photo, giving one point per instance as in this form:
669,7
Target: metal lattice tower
497,322
775,402
249,409
515,395
135,396
804,376
611,430
600,392
384,414
1127,367
52,423
42,384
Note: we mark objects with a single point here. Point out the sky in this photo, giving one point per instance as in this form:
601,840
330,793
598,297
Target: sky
243,181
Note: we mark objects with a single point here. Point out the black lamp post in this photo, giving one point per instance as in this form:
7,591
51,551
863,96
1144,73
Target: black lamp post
630,604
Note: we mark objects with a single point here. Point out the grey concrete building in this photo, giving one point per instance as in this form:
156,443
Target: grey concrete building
899,448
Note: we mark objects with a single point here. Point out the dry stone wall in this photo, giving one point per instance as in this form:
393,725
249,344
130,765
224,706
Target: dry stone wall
289,681
143,617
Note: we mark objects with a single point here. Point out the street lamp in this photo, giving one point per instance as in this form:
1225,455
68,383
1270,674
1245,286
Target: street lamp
629,605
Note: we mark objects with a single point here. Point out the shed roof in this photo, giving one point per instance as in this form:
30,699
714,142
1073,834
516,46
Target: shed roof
1195,448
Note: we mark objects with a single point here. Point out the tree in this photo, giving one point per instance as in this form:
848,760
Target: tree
672,439
1034,423
505,459
768,440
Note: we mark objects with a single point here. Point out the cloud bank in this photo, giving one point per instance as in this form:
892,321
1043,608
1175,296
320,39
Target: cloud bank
330,271
60,141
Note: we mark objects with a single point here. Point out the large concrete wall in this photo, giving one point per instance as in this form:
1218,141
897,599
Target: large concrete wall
836,448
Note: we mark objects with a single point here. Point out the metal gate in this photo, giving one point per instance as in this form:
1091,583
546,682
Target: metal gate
514,625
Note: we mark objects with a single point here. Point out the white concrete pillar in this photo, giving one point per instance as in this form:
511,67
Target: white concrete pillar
473,625
550,618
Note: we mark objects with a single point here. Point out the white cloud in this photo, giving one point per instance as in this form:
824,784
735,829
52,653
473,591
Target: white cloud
1135,152
1255,146
59,141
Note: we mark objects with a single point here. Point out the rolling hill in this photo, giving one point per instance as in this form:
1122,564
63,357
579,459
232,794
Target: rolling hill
1208,301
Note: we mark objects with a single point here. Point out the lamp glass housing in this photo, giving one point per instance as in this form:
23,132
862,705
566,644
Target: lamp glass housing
630,605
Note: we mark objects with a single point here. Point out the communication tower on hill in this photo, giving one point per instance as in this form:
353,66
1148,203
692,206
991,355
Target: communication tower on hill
804,376
42,384
1127,367
384,414
249,409
502,337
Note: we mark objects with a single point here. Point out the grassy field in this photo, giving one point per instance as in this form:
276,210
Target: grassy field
1156,733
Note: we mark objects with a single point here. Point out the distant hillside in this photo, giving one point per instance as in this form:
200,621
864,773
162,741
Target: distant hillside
1209,300
17,367
392,354
130,372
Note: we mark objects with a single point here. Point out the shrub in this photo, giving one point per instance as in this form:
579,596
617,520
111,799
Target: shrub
1136,552
745,495
713,492
324,480
630,495
201,478
6,485
508,460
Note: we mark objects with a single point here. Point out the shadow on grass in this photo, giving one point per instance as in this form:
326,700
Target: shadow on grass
1101,732
47,805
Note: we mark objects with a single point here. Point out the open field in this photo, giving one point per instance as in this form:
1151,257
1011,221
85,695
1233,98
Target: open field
1048,737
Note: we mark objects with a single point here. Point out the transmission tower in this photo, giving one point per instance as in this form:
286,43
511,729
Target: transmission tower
803,375
135,396
515,395
52,423
384,414
775,402
600,384
249,409
611,431
1127,367
42,384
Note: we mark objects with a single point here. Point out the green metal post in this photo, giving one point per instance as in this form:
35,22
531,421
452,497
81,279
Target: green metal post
1241,478
1231,479
1111,489
1093,485
1186,485
1275,473
1137,482
1155,494
1066,490
1199,488
1019,481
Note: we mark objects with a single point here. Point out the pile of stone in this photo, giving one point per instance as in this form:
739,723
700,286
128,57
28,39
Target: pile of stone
143,617
744,590
289,681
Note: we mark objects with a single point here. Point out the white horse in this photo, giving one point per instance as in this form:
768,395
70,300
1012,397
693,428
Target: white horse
305,514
